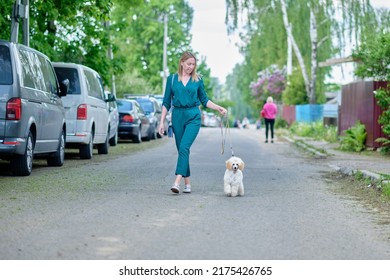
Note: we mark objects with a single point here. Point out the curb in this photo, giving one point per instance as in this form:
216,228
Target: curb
305,146
345,170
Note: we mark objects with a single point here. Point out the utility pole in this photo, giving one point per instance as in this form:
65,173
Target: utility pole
110,55
165,71
20,11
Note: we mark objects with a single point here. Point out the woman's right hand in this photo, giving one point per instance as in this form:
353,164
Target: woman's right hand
161,129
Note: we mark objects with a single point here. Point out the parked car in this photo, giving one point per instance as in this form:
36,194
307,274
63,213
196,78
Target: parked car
87,113
133,123
152,109
160,99
211,120
32,116
114,118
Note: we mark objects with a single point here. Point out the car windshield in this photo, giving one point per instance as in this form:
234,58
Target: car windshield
71,75
147,106
124,106
5,66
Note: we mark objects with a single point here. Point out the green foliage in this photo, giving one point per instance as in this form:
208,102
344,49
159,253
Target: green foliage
383,97
386,189
315,130
374,57
138,34
354,138
295,93
281,123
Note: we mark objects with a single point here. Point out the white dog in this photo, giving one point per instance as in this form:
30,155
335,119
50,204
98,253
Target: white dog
233,178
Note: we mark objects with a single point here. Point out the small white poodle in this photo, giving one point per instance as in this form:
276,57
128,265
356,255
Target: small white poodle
233,179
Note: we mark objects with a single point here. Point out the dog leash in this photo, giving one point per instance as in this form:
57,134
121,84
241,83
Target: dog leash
227,130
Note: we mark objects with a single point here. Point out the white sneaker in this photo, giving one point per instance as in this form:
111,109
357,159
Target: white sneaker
187,189
175,189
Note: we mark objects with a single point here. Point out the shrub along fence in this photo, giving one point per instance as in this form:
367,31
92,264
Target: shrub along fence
358,103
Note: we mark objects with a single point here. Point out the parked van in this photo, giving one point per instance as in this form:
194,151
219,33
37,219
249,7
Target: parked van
86,109
32,117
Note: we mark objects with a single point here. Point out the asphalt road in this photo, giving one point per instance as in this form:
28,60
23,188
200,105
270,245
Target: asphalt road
123,209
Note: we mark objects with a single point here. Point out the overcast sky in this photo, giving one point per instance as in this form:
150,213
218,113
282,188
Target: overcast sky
210,37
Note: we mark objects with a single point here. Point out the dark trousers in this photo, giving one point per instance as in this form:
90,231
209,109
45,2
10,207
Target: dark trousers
269,125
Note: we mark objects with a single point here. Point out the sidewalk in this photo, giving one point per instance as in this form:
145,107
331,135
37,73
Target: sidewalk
371,164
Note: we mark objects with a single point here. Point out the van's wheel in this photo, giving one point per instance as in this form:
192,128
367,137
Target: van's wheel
114,140
59,156
103,148
86,150
21,165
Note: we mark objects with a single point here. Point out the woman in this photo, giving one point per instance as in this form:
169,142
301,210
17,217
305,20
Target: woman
269,113
185,92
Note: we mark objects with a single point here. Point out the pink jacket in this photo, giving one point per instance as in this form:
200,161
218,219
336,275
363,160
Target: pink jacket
270,110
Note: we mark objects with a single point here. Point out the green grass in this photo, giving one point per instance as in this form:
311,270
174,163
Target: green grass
315,130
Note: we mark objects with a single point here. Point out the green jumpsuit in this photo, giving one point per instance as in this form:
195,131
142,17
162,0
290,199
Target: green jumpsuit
186,116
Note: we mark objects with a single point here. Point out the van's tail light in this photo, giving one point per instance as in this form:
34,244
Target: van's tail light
14,109
128,118
82,112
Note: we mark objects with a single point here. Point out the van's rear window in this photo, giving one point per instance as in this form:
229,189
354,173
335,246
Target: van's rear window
72,76
5,66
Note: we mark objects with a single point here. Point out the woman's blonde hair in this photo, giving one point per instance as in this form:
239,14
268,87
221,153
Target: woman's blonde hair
270,99
184,57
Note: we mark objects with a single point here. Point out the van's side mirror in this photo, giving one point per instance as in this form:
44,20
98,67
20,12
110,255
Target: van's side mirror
64,87
110,98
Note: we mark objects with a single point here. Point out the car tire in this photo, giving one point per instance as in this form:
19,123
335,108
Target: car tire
138,138
154,133
21,165
114,140
103,148
58,158
86,150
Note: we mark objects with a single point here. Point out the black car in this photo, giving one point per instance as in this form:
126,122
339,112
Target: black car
152,109
133,123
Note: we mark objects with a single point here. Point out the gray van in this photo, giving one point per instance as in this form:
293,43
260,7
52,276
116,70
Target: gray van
32,117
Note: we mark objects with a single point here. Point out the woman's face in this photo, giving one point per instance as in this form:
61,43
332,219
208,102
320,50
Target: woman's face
188,65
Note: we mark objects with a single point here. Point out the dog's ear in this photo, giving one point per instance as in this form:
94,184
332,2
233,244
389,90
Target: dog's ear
229,164
241,165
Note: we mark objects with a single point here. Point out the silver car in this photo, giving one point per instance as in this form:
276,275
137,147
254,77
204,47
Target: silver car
32,117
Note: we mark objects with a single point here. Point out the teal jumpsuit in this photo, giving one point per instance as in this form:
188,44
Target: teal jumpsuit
186,116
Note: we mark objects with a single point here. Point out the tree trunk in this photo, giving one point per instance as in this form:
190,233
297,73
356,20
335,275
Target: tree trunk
314,64
296,48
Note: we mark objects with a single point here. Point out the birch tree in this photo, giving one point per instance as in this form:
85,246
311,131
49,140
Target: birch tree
325,27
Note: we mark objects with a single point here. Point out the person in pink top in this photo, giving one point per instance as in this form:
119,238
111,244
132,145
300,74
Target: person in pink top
269,114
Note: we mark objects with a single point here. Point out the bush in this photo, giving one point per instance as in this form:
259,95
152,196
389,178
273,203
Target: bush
383,97
354,139
315,130
281,123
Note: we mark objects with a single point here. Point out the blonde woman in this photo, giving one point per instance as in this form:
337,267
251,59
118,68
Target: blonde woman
185,92
269,113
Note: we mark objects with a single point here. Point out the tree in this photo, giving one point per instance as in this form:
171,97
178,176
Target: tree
374,62
86,32
139,35
312,39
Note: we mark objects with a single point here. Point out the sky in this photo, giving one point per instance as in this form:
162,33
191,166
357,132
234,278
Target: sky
210,38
